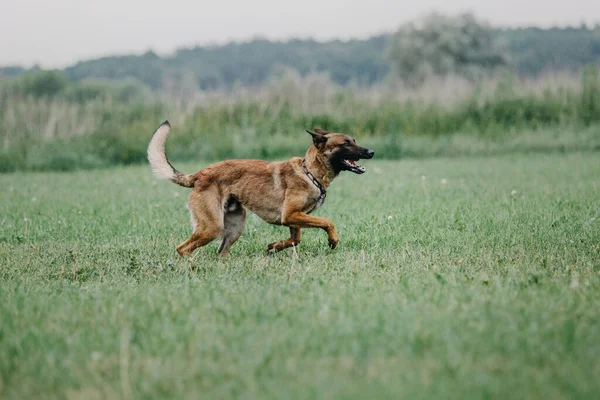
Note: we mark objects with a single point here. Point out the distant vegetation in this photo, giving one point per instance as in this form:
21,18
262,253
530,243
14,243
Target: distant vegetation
41,127
443,45
528,51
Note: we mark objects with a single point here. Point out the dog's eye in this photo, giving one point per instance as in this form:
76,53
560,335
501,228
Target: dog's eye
348,143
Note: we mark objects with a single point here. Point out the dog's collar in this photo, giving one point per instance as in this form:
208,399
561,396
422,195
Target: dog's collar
314,180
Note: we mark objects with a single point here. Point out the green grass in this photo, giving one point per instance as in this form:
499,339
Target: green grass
454,278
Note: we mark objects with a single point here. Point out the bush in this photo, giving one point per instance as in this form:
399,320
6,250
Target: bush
44,84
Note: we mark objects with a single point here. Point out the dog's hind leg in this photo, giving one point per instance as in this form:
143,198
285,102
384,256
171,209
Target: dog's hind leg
294,240
234,221
207,221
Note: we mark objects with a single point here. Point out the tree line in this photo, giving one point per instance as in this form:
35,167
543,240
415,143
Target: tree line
436,45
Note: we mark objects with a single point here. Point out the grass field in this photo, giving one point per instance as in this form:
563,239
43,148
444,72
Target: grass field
454,278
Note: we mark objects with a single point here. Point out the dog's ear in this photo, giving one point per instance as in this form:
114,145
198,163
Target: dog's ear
318,136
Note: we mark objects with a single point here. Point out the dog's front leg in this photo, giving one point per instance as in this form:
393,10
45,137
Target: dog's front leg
292,216
302,220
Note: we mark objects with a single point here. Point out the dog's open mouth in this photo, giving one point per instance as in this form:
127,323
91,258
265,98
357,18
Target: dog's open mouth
352,166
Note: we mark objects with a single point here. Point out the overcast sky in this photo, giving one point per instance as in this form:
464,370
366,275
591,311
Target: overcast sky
56,33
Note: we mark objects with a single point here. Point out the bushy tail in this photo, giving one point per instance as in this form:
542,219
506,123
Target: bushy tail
157,157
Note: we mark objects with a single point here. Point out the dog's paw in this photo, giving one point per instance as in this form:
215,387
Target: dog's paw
333,243
270,249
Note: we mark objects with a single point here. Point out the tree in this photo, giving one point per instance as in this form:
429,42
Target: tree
441,45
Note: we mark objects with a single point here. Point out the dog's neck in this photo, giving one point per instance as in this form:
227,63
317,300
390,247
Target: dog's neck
319,166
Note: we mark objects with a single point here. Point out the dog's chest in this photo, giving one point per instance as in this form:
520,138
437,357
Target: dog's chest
320,200
315,202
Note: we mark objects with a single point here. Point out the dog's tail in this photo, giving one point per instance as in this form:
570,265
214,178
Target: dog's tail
157,157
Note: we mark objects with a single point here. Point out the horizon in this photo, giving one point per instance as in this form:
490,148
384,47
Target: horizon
125,28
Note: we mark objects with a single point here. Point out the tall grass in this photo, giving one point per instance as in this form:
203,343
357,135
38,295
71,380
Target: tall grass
60,133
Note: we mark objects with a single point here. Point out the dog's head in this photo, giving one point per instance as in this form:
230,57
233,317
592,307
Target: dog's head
341,150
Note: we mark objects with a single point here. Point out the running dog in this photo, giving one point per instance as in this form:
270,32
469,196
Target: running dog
281,193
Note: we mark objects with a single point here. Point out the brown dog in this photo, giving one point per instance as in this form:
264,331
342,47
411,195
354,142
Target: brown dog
281,193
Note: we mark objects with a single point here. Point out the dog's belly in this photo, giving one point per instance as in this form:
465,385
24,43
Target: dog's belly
270,216
273,215
267,207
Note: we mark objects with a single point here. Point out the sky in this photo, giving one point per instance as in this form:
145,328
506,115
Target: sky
58,33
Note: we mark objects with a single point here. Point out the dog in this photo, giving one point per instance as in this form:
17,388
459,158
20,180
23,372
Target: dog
281,193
